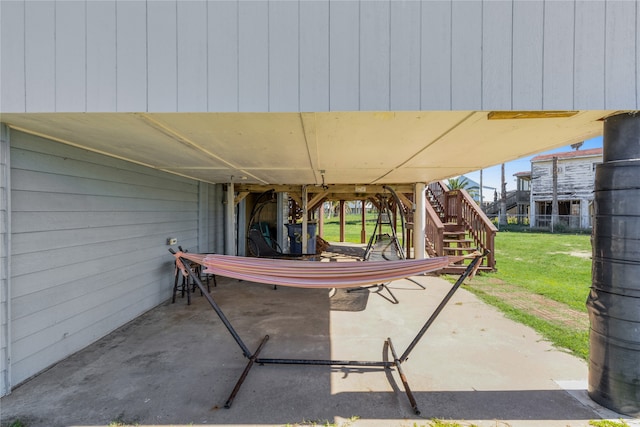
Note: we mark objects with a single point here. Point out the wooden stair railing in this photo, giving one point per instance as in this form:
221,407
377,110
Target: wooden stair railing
437,196
477,224
464,226
434,232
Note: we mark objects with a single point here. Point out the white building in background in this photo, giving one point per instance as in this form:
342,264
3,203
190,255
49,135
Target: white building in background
575,185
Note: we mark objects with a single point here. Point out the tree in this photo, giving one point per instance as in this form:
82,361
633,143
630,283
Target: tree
461,183
503,200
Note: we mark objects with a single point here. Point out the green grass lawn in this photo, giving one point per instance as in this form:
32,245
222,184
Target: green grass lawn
554,266
353,226
557,266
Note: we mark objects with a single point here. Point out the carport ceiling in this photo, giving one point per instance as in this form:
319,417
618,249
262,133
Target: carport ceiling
299,148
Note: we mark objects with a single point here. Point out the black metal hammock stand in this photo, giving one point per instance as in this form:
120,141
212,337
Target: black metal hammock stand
387,364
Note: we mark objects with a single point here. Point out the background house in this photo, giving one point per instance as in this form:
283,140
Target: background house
575,185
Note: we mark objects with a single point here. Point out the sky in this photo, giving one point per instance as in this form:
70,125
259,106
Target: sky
491,176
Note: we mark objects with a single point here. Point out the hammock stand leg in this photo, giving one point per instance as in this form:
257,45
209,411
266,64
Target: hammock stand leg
245,350
250,363
397,361
403,378
381,287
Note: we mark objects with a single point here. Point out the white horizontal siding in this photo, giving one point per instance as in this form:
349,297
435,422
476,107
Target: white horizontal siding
88,246
576,178
318,55
5,258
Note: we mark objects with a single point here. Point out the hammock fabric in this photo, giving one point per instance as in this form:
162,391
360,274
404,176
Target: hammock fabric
312,274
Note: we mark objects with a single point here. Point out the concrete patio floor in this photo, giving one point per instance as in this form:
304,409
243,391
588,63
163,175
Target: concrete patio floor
177,364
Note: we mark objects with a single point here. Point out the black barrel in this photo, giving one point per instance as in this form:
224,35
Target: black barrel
614,299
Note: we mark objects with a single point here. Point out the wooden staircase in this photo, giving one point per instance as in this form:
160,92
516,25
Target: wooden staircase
456,226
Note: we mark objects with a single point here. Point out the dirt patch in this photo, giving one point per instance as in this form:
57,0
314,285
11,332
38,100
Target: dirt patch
577,254
534,304
581,254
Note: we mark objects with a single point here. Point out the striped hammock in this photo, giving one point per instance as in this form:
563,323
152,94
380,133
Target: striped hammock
311,274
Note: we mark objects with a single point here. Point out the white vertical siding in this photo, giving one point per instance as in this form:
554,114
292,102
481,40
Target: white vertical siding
314,56
162,51
5,259
97,227
497,52
344,54
436,56
620,62
101,56
253,60
528,25
405,56
283,56
374,52
223,56
319,55
70,56
131,55
40,56
589,54
557,83
12,61
192,56
466,55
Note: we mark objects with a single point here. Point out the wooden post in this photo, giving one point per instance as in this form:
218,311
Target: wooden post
305,219
321,220
481,197
554,197
363,232
342,220
419,221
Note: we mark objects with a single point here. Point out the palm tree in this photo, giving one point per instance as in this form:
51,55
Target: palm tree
457,183
461,183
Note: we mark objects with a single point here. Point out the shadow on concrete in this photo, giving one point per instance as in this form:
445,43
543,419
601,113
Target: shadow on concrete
177,364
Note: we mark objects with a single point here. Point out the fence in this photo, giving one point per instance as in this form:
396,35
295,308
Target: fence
571,222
